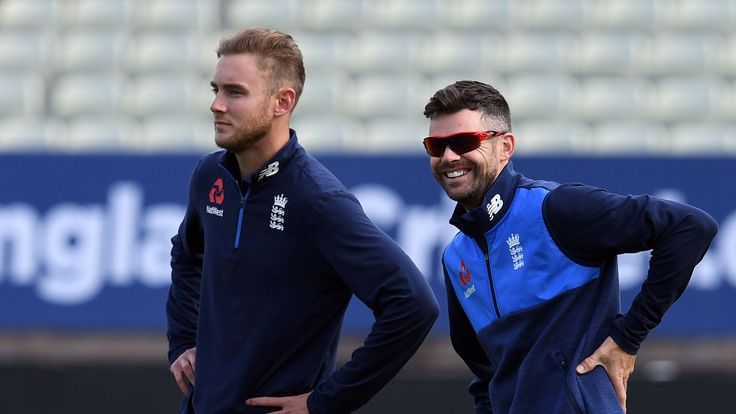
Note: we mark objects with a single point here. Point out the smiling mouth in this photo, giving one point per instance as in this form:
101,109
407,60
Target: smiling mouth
456,173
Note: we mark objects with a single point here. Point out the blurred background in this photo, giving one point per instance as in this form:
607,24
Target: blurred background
104,111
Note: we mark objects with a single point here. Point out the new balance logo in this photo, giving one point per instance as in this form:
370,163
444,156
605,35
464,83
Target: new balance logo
494,206
270,170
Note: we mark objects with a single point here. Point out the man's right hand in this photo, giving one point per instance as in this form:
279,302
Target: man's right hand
183,369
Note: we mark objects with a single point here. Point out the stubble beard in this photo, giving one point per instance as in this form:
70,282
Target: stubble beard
472,195
246,137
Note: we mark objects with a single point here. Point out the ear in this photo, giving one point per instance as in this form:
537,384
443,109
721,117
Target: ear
508,144
284,101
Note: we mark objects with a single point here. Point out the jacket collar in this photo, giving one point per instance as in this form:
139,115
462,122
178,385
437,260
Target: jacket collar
268,170
496,203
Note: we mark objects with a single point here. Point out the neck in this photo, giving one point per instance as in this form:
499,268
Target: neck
251,159
478,200
471,204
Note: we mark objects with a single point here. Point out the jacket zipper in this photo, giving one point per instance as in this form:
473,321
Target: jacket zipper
493,288
484,248
240,218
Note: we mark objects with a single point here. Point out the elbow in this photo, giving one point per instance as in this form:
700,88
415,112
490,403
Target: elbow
421,308
711,228
706,225
430,309
422,302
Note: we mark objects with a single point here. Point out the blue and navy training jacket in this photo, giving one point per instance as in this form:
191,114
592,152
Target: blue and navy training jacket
532,287
263,269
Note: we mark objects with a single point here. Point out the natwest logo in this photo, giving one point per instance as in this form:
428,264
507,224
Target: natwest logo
464,275
217,194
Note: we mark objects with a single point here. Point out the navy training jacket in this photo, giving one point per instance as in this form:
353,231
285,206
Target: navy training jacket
262,272
532,286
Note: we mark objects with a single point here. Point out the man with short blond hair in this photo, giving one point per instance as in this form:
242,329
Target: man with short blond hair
269,253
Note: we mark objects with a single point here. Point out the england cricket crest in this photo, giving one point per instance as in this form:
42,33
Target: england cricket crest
278,211
516,250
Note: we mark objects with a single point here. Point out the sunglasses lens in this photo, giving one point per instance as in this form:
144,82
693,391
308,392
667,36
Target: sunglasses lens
459,144
435,146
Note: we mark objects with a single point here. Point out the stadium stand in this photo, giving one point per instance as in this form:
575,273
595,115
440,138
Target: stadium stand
79,93
584,62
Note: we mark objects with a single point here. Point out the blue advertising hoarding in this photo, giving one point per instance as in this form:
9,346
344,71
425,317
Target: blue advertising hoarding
84,239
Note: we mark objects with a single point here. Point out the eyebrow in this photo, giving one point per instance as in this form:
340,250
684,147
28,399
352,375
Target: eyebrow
228,86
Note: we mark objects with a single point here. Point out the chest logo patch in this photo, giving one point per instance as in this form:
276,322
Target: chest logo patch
494,206
278,212
217,193
516,250
464,277
216,196
270,170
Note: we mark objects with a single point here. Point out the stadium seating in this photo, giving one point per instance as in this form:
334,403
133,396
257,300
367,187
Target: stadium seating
161,51
174,133
97,14
391,135
328,133
331,15
29,14
552,136
447,51
629,137
30,133
97,133
88,49
372,65
22,51
605,97
80,93
703,138
543,14
278,14
22,95
474,14
601,52
622,14
322,94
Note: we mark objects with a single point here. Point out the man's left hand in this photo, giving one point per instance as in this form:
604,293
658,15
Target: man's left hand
618,364
289,405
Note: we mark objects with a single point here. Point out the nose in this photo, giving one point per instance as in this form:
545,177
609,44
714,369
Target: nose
217,105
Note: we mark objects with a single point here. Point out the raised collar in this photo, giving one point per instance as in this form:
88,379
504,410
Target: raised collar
496,202
269,169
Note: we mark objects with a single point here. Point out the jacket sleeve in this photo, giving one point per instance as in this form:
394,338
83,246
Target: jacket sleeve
465,342
383,277
592,225
182,306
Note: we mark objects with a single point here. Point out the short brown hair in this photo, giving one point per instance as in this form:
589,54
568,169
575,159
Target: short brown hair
472,95
281,60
